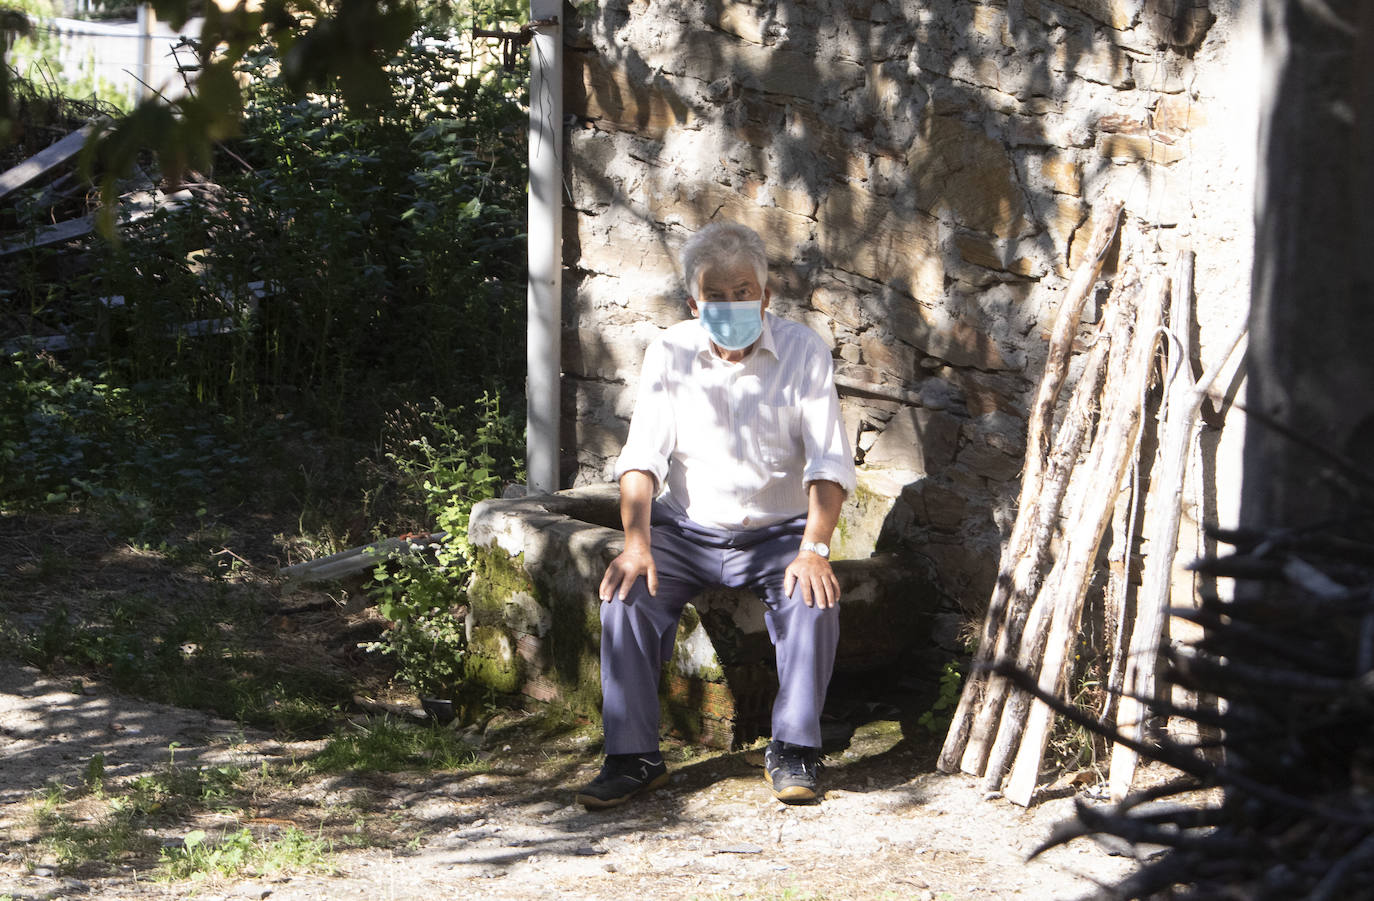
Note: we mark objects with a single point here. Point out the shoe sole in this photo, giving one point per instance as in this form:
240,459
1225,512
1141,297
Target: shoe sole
594,803
793,794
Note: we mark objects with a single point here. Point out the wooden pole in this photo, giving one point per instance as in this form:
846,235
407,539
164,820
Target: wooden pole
1067,583
1005,723
1042,517
1042,411
1184,400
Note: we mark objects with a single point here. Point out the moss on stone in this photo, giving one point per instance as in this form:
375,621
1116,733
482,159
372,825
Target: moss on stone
497,576
491,672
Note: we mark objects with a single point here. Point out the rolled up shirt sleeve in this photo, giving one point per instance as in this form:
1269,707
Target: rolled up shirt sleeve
651,437
829,456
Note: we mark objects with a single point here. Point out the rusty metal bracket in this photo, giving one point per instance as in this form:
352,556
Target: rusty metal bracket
510,40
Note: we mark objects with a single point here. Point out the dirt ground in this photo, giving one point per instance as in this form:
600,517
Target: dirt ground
889,826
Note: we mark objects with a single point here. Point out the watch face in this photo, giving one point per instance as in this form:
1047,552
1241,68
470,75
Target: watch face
823,549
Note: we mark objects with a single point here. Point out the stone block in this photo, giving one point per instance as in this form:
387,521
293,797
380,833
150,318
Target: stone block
536,619
1181,25
1157,196
807,143
864,521
743,20
618,245
783,232
1164,74
1062,218
711,55
989,253
939,394
916,440
989,392
1048,131
612,355
863,233
596,418
1177,115
841,304
968,569
958,340
891,358
1138,148
1122,124
1062,172
994,446
991,23
963,174
1082,55
1118,14
935,504
801,202
595,91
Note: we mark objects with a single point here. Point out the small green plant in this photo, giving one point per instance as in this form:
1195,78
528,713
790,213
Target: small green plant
941,713
387,746
94,777
128,808
422,595
241,852
1071,746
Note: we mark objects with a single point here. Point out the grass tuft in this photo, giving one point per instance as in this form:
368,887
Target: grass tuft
389,746
241,853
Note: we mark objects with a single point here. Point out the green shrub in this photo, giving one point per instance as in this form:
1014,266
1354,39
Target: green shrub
422,594
70,436
335,270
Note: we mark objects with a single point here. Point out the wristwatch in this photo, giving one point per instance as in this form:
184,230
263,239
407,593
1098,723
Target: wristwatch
819,548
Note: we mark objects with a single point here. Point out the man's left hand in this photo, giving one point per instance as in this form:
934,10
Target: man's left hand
812,572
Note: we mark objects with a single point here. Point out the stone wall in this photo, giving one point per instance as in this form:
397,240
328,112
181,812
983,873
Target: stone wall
924,174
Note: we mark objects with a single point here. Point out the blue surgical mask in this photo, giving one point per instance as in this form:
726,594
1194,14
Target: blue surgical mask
732,325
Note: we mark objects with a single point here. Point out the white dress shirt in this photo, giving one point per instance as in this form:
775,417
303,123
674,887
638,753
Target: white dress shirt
734,445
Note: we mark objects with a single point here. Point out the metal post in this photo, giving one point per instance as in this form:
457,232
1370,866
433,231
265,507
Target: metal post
542,386
147,21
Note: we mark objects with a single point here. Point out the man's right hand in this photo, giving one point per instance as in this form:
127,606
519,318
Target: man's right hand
620,576
636,501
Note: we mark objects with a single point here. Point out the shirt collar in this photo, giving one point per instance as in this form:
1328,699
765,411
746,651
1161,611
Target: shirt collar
765,341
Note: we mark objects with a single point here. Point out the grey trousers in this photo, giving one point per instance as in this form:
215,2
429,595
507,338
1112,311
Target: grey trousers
637,634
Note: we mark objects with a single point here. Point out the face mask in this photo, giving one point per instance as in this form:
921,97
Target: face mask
732,325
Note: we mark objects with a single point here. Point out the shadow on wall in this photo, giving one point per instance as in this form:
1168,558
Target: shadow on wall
920,173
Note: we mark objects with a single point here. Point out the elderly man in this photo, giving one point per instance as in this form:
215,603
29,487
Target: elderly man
733,474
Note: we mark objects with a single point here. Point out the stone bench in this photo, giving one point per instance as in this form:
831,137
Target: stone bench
534,623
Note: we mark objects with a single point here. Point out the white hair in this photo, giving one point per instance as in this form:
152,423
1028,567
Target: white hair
723,243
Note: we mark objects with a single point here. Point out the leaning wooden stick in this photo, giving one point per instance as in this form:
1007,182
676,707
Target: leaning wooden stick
1042,412
1161,532
1069,579
1008,722
1043,518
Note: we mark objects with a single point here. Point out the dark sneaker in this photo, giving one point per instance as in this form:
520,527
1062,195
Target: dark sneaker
791,771
622,777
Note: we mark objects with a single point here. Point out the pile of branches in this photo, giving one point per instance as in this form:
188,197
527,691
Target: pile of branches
1292,657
